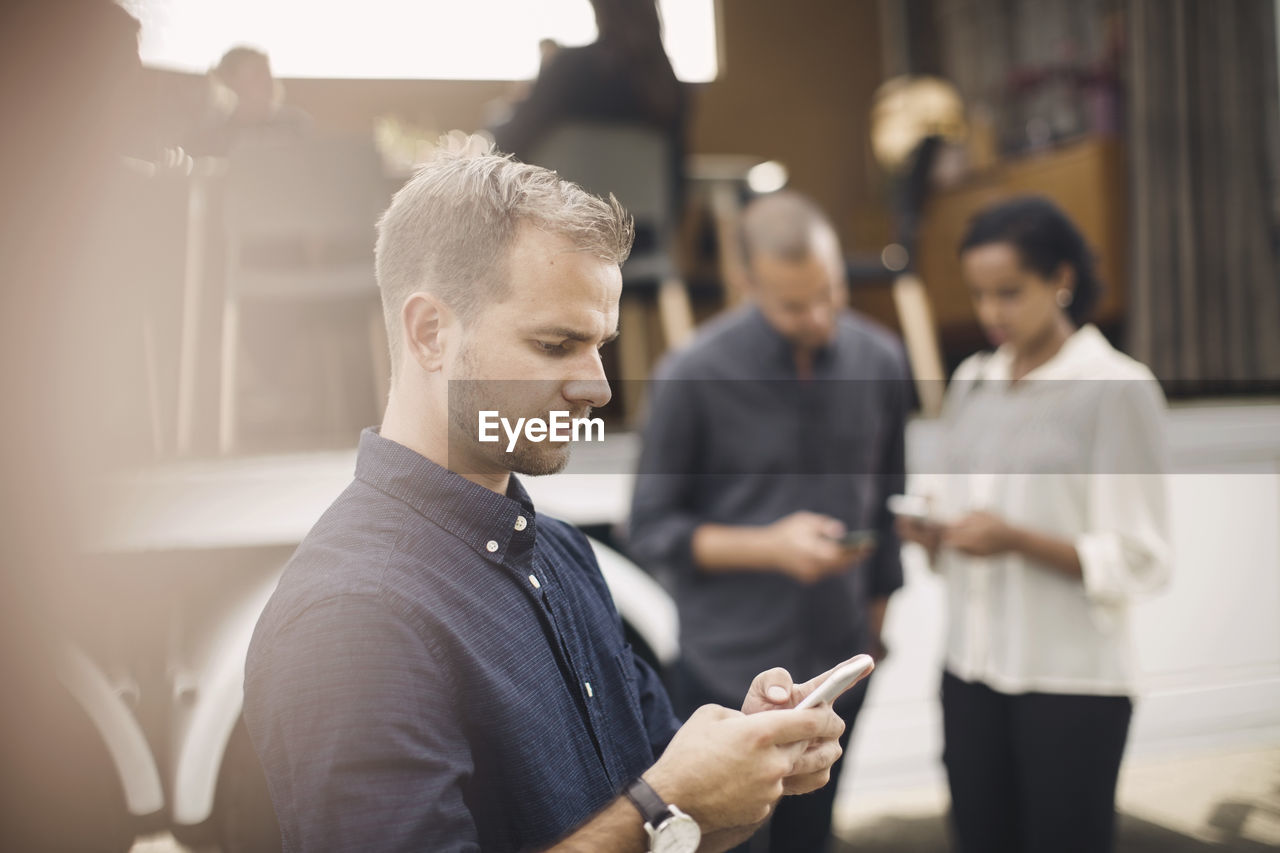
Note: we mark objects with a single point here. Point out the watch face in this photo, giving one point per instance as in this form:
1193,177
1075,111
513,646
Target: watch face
677,834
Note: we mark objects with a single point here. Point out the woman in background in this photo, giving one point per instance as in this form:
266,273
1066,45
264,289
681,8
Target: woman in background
1048,520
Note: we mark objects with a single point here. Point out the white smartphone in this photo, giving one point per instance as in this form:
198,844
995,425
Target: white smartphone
914,507
839,681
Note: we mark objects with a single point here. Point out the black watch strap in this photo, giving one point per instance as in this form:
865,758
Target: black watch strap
646,800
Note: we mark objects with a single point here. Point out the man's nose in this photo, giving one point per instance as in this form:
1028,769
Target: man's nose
589,387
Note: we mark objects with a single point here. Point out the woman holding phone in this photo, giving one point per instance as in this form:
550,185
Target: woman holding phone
1048,519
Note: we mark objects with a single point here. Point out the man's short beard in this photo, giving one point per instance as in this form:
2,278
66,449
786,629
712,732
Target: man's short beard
538,460
467,398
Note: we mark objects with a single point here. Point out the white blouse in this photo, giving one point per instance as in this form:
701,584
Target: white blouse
1075,449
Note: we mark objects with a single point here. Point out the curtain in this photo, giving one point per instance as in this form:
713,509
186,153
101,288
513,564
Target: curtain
1028,62
1204,161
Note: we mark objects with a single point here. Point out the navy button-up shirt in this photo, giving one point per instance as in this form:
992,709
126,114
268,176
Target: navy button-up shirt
442,669
735,437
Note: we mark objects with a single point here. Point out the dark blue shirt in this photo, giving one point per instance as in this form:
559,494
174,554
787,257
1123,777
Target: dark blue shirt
735,437
442,669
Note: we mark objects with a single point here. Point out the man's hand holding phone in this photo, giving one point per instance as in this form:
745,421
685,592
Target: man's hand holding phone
774,690
809,547
728,769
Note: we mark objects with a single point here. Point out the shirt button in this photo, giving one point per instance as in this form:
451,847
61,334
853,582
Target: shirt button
521,523
533,579
590,692
491,546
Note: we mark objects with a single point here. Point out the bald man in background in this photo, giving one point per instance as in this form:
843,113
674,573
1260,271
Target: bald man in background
776,433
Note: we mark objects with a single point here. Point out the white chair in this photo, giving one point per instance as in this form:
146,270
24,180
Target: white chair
300,230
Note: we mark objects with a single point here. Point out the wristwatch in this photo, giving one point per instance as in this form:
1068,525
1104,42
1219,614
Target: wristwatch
670,830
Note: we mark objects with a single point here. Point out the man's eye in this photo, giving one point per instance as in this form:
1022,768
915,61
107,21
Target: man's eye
552,349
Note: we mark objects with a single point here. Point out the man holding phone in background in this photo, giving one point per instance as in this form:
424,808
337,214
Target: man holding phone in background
771,445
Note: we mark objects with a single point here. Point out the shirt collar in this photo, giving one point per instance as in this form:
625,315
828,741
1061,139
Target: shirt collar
1077,358
484,520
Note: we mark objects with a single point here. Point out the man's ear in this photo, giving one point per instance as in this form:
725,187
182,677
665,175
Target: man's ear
428,326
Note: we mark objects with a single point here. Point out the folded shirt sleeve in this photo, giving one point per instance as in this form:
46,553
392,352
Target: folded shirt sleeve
1125,552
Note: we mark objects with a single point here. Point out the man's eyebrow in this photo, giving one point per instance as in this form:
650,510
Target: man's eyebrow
572,334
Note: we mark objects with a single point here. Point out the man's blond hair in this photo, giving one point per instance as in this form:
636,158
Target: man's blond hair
450,229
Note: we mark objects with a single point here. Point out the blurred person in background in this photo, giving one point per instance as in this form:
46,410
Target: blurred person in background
247,107
442,667
1047,519
775,433
623,76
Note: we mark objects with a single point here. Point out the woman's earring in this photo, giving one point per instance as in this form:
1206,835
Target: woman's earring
1064,297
